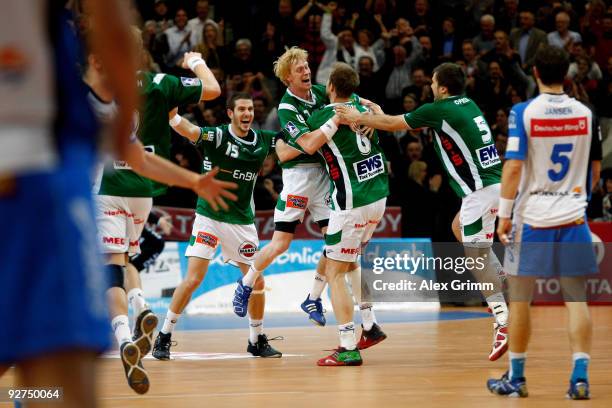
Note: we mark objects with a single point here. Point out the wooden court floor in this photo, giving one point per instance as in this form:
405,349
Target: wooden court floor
431,364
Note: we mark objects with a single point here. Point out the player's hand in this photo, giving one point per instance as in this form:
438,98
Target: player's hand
348,115
165,224
504,228
188,56
375,108
435,182
213,190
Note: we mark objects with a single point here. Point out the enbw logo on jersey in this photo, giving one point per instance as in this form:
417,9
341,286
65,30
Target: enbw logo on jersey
369,168
488,156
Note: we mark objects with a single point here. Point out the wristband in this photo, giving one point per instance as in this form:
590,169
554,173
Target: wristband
329,129
194,62
505,207
176,119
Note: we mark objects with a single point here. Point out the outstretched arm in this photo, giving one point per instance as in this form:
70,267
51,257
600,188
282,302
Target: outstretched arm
210,86
350,116
183,127
312,141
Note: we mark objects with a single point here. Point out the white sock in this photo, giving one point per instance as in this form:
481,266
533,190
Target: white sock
317,287
347,336
250,277
137,300
579,355
513,356
255,329
170,322
121,328
498,306
368,318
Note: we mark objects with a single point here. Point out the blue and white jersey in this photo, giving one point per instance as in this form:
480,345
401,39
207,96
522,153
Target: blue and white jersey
556,137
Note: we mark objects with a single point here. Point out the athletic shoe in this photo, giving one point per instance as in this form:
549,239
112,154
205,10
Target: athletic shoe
507,387
579,390
145,325
241,299
370,337
262,348
500,341
161,348
341,357
134,371
314,309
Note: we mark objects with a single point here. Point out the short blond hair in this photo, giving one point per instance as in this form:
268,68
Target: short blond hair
282,66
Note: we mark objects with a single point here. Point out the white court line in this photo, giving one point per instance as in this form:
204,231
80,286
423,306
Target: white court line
182,395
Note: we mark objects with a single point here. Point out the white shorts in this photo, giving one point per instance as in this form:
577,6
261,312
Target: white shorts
120,222
348,230
303,187
478,213
239,243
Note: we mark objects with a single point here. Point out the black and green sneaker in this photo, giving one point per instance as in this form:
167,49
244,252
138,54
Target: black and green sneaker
262,348
341,357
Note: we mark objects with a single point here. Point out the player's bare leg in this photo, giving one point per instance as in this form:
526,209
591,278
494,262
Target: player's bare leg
342,303
258,341
73,371
492,273
278,245
196,271
130,352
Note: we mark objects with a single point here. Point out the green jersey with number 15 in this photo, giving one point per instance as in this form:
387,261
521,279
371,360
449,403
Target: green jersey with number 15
239,160
464,142
355,164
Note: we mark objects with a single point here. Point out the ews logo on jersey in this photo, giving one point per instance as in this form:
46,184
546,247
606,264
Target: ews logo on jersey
488,156
369,168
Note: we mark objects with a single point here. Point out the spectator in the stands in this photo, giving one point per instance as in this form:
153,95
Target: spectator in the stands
371,84
420,201
243,59
474,66
428,60
485,41
449,47
421,87
563,37
264,117
161,16
203,17
527,39
508,16
422,19
212,48
338,48
180,39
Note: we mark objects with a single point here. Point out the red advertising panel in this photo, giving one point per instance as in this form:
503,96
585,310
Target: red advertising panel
182,220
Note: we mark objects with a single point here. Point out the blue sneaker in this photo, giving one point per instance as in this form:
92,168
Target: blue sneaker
579,390
314,309
241,299
507,387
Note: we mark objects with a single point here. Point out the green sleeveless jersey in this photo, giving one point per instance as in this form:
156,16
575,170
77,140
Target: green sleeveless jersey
239,160
292,114
464,142
160,93
354,163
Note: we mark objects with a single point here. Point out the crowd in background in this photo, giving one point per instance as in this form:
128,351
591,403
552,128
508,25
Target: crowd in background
394,46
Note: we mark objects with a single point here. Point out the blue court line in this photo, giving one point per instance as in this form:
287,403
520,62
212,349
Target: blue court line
226,321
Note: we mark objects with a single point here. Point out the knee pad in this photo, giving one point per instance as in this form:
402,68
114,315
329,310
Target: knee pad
116,274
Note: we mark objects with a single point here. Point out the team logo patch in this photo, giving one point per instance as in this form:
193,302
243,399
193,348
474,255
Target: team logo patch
292,129
298,202
207,239
247,249
190,81
208,136
369,168
488,156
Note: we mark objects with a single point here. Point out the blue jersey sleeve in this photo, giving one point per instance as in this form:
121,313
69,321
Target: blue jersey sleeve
517,136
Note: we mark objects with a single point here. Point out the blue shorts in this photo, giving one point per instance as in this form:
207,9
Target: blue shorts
551,252
52,286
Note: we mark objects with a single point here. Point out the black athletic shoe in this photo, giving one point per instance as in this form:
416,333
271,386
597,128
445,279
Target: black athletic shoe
262,348
134,371
145,326
370,337
161,348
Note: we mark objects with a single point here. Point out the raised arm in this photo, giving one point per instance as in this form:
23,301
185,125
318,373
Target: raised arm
183,127
210,86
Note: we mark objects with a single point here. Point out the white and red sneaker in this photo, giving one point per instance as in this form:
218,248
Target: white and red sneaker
500,341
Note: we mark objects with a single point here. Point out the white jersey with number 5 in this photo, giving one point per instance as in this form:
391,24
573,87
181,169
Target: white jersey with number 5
556,137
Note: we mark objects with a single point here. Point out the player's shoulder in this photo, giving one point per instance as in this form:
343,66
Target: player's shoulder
319,91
